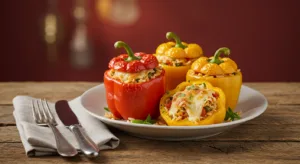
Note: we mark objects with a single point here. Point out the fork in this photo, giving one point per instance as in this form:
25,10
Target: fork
43,117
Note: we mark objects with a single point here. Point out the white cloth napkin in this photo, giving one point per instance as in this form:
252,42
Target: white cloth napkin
40,141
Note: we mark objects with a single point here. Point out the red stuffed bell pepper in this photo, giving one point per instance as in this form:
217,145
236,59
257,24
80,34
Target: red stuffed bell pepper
134,84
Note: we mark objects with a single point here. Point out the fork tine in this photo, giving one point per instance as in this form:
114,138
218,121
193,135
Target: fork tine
42,108
48,109
51,118
34,113
38,111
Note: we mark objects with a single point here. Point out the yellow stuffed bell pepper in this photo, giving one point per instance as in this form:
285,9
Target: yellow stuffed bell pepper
192,104
176,59
220,72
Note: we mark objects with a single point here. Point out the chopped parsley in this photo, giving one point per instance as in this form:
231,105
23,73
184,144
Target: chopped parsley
181,95
112,73
191,97
150,74
191,87
148,120
207,108
231,115
107,109
178,64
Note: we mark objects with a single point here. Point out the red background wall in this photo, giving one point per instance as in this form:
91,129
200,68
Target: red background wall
263,35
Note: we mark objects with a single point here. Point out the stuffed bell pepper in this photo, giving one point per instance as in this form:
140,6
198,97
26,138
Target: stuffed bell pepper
220,72
176,59
193,103
134,84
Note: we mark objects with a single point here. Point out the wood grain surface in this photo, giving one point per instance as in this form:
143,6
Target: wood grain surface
273,137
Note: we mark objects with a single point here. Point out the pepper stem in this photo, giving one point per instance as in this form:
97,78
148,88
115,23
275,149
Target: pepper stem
172,35
131,56
216,59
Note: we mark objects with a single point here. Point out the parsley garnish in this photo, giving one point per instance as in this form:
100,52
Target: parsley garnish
147,121
178,64
150,74
231,115
191,97
190,87
207,108
181,95
107,109
204,85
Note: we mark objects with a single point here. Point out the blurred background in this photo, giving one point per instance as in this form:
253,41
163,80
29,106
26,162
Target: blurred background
72,40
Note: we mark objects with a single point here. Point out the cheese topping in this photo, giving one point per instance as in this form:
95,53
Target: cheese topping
138,77
166,60
192,72
191,102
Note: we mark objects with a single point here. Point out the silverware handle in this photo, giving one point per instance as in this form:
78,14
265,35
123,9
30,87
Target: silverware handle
64,148
87,146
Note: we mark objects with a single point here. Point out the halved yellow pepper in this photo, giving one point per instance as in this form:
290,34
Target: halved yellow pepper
220,72
215,118
179,50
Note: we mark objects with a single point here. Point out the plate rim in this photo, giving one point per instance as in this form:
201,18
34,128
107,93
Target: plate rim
219,125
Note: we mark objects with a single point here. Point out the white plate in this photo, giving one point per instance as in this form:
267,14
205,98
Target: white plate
251,104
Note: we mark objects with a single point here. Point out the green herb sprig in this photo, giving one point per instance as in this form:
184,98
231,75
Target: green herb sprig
178,64
148,120
231,115
107,109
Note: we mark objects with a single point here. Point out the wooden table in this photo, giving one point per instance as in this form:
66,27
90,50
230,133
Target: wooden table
272,137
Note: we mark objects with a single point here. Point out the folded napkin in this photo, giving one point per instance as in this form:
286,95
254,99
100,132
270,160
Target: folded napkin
40,141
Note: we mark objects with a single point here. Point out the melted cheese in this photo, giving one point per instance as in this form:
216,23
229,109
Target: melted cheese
162,59
195,109
193,101
138,77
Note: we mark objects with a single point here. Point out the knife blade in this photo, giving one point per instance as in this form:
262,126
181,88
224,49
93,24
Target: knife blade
69,119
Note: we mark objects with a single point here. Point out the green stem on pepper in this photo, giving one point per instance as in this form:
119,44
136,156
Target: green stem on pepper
131,56
216,59
172,35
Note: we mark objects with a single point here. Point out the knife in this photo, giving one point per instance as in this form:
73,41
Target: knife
69,119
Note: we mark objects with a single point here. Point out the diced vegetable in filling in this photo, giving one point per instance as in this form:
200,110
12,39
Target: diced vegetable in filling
195,103
203,75
138,77
165,60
